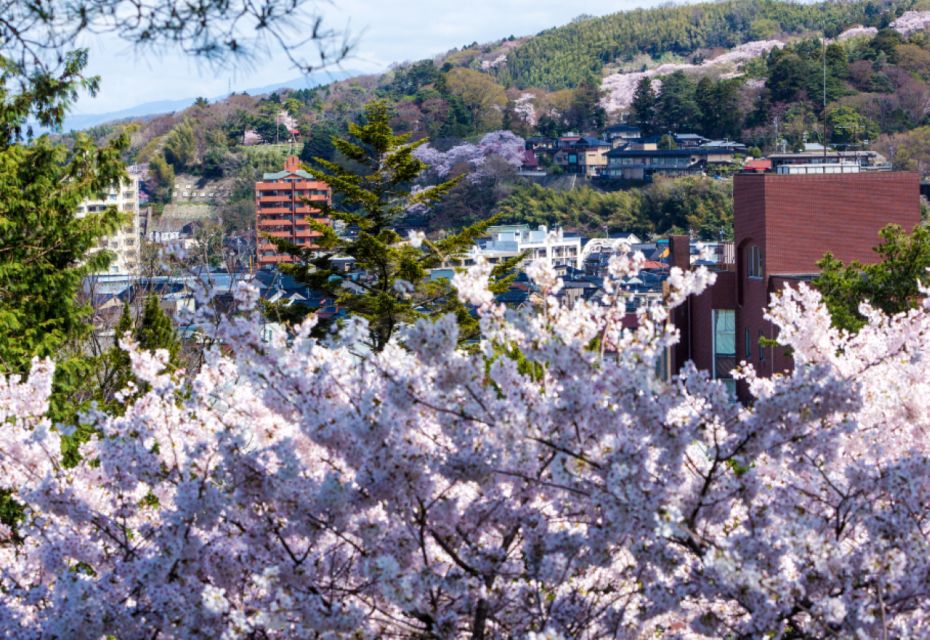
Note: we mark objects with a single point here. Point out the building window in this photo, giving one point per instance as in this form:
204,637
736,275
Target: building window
747,346
724,343
754,265
761,348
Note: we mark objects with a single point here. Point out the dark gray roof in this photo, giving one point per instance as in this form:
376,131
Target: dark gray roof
664,153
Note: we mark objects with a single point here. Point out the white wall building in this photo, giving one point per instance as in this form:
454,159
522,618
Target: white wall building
125,243
507,241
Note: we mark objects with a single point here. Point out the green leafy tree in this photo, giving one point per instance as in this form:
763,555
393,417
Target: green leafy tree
181,146
45,248
890,285
160,180
319,142
480,94
374,190
848,126
666,142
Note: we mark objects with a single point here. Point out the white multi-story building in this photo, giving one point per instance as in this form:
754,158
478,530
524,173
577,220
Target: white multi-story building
508,241
125,243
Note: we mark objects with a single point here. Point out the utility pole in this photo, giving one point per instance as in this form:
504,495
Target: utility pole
823,52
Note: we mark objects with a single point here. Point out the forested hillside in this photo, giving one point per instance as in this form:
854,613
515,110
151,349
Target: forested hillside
562,57
675,63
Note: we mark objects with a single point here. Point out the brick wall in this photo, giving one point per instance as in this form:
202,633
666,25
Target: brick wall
803,216
795,219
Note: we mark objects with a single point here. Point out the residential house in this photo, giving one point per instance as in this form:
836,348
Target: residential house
622,133
689,140
586,156
645,164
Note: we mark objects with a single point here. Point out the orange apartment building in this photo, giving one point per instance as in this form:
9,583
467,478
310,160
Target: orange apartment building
283,203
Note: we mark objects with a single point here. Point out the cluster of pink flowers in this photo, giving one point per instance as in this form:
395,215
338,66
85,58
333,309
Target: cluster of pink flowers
301,488
619,88
506,145
857,31
911,21
525,109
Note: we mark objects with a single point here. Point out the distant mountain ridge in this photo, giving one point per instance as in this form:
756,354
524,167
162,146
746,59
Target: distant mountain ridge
78,122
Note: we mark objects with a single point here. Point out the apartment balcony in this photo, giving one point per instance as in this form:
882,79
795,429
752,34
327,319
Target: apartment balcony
307,211
271,223
274,198
275,259
266,210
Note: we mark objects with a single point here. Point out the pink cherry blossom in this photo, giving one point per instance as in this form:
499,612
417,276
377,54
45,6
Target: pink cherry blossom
543,483
504,144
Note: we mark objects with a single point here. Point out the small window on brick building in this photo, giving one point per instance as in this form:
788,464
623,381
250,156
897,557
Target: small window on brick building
761,348
754,262
724,337
747,344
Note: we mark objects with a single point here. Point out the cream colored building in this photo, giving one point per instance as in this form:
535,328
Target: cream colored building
125,243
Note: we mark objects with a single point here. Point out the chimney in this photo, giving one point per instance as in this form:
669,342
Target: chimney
680,252
292,163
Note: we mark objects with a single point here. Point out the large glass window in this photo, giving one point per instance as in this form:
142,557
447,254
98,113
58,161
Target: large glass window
724,327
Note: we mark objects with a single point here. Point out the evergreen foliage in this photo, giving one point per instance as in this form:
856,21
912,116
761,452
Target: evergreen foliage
562,57
156,330
45,248
676,106
644,107
891,285
373,190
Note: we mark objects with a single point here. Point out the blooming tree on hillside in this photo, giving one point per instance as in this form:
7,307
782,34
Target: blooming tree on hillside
547,482
504,144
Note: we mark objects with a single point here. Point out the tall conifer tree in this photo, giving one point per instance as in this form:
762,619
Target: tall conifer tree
373,191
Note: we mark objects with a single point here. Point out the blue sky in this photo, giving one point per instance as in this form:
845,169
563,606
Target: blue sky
389,31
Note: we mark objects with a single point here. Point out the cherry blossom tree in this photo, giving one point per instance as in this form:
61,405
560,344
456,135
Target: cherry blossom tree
504,144
545,484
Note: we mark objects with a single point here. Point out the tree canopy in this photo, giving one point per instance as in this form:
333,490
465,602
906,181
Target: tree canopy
891,284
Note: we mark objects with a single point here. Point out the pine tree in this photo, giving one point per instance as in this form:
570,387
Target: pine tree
644,107
586,112
707,97
156,331
676,107
372,194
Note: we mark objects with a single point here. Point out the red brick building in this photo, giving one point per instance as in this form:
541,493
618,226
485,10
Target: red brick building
783,225
284,201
